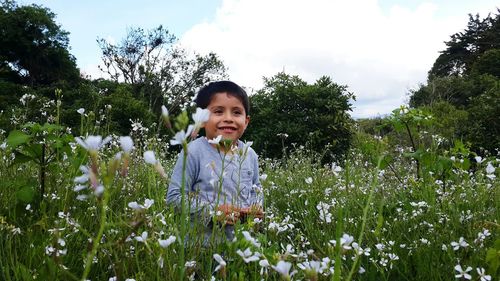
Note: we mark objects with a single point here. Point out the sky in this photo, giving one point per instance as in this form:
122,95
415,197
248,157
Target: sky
380,49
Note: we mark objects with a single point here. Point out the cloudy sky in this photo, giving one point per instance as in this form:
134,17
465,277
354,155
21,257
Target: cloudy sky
379,49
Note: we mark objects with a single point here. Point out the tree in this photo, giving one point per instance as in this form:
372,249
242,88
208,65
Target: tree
288,111
488,63
159,72
463,85
483,125
33,48
455,90
465,47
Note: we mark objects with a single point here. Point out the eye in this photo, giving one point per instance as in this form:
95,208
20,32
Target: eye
217,111
237,112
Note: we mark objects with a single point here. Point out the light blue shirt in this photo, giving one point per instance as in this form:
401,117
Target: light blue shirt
214,178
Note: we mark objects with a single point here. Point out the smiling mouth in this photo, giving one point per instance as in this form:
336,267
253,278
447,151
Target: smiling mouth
227,129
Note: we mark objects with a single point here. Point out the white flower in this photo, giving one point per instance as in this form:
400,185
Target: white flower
264,264
81,197
479,159
81,111
345,241
360,251
99,190
481,236
247,145
114,278
143,237
220,261
482,275
248,256
263,177
283,268
215,140
393,257
92,143
81,179
461,243
181,136
463,273
167,242
61,242
3,146
324,213
309,180
336,169
190,264
490,170
79,187
164,111
424,241
250,239
201,116
134,205
147,203
49,250
311,265
126,144
149,157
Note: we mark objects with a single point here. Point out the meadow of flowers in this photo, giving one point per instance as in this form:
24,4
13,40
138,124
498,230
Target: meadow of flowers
93,208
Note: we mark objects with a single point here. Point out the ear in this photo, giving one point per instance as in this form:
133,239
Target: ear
247,120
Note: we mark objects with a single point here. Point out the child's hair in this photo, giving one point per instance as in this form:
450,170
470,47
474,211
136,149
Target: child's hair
206,93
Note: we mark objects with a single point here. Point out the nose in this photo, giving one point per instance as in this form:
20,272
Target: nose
228,118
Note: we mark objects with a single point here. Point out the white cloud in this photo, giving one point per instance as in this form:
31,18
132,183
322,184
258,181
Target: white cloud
378,54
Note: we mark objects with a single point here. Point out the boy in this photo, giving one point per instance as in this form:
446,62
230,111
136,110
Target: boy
223,177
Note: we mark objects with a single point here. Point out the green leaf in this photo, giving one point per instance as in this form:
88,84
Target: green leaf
181,121
21,158
51,127
493,258
17,138
24,272
385,161
26,194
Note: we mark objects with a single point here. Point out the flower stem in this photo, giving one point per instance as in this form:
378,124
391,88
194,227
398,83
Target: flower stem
97,239
365,216
183,212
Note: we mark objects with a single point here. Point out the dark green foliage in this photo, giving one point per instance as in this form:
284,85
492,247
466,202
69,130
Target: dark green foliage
488,63
33,48
483,125
42,145
373,126
124,108
453,89
289,112
463,85
449,120
465,47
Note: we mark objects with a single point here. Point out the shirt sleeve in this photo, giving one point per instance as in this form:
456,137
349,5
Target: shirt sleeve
174,195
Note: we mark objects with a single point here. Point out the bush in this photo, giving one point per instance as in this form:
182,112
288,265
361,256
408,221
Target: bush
288,112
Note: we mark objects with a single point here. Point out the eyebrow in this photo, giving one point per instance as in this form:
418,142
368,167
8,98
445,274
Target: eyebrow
221,106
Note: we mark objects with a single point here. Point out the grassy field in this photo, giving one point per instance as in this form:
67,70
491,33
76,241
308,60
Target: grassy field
355,220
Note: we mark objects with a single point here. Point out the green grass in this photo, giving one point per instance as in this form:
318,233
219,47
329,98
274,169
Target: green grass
405,227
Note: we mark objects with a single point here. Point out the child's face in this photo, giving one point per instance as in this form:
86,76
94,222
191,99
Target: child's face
227,117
